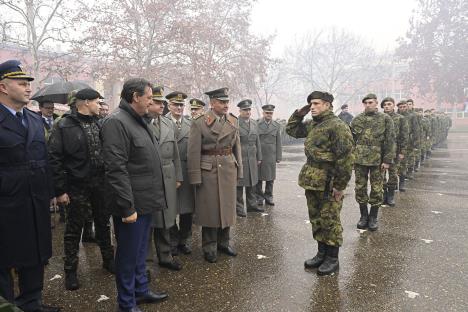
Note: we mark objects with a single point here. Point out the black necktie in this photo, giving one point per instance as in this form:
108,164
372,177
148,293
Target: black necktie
19,115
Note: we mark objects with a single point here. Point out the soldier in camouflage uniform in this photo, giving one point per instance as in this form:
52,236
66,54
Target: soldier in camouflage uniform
414,140
401,140
328,147
375,151
402,168
78,173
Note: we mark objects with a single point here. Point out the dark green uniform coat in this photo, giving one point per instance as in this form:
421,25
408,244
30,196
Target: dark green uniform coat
251,151
270,140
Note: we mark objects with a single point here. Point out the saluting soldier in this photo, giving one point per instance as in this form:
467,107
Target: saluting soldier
165,134
214,167
269,132
328,147
251,158
181,235
197,108
401,141
375,150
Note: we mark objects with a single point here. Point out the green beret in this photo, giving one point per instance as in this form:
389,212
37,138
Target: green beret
387,99
324,96
370,96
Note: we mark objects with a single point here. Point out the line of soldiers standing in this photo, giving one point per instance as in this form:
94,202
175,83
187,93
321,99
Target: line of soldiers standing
382,148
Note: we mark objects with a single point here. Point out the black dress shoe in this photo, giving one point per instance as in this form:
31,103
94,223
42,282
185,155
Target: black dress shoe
255,209
174,265
151,297
228,250
185,249
46,308
211,257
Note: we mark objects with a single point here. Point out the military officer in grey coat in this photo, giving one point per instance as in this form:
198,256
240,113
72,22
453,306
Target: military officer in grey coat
165,133
269,132
251,158
181,234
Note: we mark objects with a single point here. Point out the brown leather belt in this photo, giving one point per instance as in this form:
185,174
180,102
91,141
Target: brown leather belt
218,152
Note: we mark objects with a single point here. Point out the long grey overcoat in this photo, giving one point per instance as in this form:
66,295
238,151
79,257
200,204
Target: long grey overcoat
270,139
185,193
171,170
251,151
215,176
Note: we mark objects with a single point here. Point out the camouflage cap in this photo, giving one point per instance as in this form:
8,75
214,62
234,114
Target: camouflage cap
370,96
324,96
72,98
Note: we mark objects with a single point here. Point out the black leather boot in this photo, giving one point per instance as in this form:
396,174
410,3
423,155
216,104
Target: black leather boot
109,265
88,233
316,261
331,263
363,221
71,280
391,197
385,195
373,223
401,186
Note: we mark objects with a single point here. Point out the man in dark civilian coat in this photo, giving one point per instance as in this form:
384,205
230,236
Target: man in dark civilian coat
134,176
25,193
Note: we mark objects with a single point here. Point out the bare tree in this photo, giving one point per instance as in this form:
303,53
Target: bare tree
333,60
38,26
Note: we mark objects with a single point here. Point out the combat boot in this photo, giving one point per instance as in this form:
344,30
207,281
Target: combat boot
401,186
316,261
373,223
385,195
409,174
109,265
331,263
363,221
391,197
88,233
71,280
416,166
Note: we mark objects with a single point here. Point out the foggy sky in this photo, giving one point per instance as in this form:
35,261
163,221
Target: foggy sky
380,22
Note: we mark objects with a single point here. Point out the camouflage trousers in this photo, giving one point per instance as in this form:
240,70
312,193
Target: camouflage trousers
391,182
324,216
412,157
402,167
85,201
375,176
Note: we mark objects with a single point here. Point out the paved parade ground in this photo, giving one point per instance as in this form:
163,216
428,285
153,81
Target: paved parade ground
416,261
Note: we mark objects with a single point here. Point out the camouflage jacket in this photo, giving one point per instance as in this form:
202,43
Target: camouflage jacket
374,137
400,125
414,130
328,147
